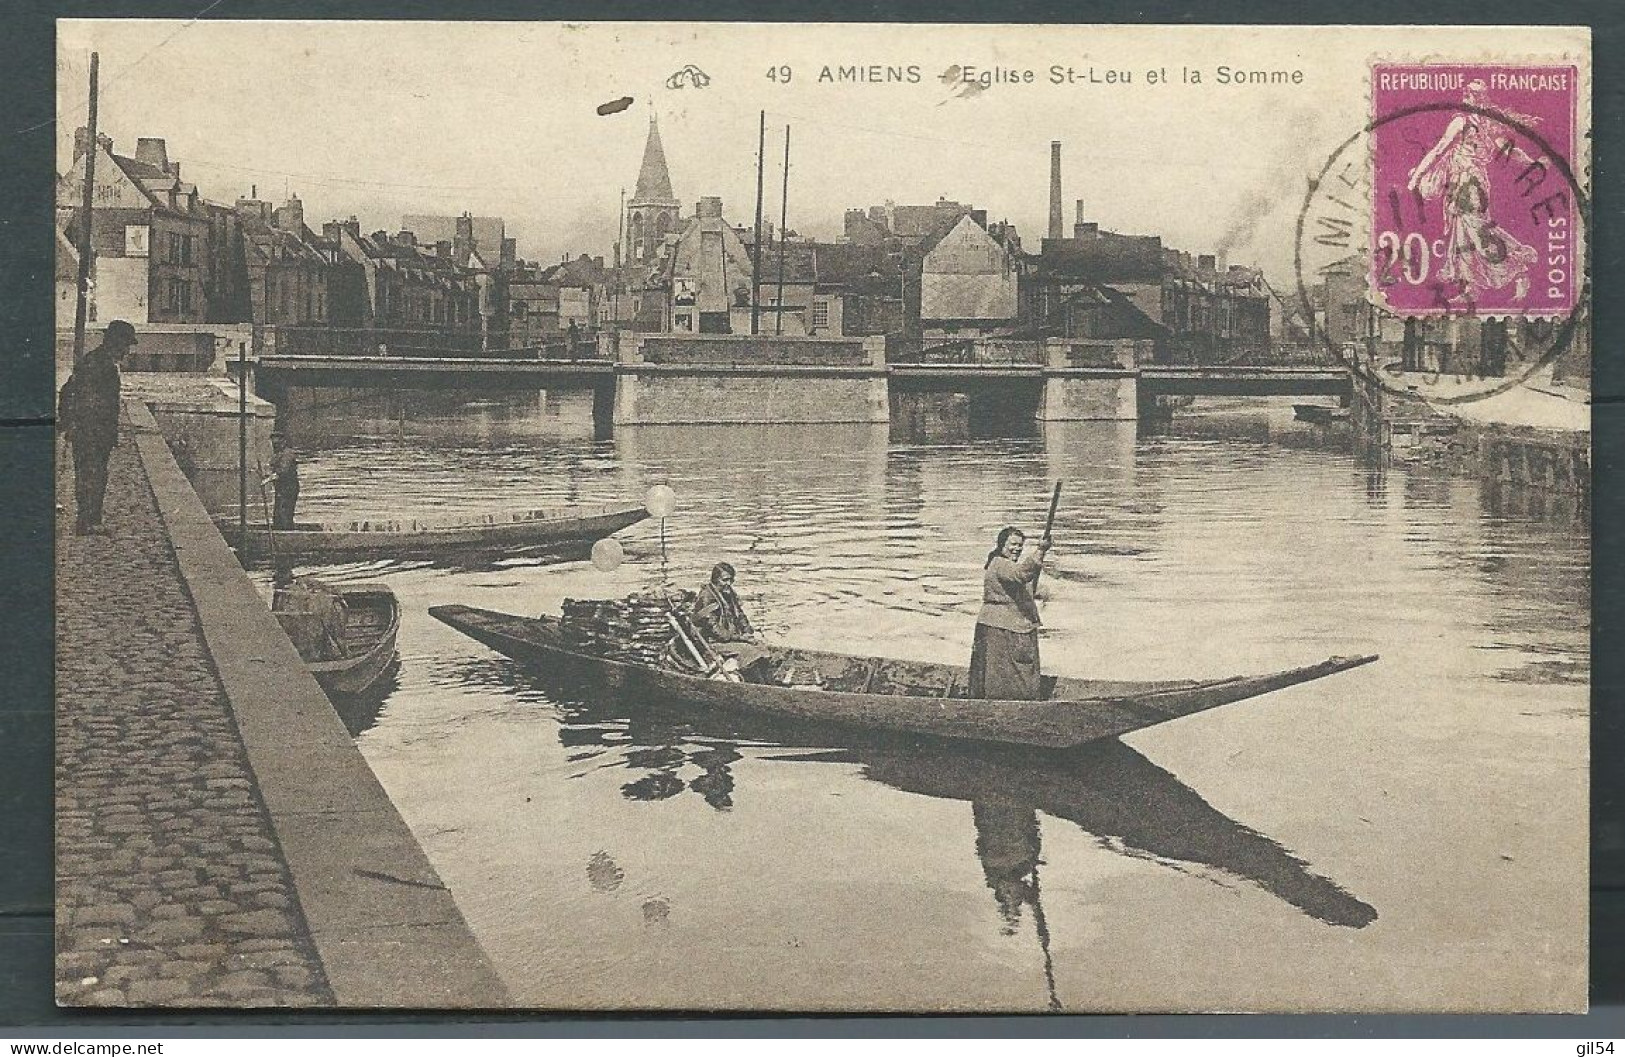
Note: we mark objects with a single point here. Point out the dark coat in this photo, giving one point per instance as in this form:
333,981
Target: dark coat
285,473
89,402
719,616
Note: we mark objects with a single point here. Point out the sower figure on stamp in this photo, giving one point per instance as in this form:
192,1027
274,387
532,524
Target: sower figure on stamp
87,415
1004,662
284,482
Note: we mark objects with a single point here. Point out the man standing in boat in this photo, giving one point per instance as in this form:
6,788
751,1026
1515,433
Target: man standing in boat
87,415
1004,662
284,481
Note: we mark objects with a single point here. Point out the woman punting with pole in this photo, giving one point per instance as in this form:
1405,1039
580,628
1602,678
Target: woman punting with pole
1004,664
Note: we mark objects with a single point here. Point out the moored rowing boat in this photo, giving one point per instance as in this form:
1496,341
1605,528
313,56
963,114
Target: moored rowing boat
346,636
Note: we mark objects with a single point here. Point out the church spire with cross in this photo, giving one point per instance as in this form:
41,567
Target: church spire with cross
654,210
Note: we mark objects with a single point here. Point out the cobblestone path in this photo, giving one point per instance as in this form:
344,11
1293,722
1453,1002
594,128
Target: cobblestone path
171,888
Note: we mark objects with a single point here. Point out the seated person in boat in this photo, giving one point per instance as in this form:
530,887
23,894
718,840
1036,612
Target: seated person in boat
718,614
1004,653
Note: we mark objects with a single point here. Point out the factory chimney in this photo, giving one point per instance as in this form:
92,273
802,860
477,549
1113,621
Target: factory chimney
1055,231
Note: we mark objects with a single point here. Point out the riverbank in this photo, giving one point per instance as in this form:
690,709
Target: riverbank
220,842
1532,437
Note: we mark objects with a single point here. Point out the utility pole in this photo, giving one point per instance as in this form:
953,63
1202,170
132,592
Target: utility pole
756,246
620,248
86,205
242,449
784,213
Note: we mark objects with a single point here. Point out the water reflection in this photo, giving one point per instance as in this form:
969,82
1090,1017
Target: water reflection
1009,847
360,712
1127,803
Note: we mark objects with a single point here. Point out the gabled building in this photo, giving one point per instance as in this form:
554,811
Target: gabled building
707,272
585,285
150,232
968,280
67,285
533,307
863,288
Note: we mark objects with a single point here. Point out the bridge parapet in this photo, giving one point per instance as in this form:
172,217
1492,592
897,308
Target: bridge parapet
1074,353
749,350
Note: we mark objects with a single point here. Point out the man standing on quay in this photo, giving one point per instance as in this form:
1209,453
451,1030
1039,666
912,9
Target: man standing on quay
87,414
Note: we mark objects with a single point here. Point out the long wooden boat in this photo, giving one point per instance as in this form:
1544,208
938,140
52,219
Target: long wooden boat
416,537
884,694
351,646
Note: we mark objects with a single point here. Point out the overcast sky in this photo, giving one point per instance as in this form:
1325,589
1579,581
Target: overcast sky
380,119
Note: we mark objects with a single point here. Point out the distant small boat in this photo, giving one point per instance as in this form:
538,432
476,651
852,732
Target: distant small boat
1319,414
880,693
345,633
416,537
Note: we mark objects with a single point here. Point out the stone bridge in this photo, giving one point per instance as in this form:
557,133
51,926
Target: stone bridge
690,379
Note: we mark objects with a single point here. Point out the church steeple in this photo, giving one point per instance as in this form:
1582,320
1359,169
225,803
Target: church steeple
654,182
653,211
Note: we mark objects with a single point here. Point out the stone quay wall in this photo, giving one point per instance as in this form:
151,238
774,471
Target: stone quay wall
220,840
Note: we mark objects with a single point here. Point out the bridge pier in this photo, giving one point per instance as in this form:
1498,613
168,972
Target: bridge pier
1089,396
738,379
1090,382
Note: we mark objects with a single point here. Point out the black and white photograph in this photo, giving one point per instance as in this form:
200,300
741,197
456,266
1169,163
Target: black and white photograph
822,518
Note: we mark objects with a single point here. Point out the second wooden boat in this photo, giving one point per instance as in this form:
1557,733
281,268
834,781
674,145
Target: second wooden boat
881,693
556,527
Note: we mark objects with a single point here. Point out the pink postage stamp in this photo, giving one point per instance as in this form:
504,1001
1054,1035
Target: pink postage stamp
1475,207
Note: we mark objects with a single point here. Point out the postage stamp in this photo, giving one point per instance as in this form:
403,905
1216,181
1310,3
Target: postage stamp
1472,212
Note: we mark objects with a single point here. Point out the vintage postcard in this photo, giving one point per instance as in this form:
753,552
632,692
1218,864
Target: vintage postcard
938,518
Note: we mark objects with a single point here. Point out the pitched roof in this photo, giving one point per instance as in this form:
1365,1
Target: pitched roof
579,271
800,263
654,181
857,267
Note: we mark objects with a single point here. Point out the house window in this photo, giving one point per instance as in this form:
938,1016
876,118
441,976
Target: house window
321,305
186,296
820,314
186,249
685,321
172,249
172,300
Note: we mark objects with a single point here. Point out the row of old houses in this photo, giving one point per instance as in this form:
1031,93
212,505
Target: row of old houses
922,274
164,255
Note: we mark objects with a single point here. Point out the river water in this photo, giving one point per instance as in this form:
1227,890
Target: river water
1408,835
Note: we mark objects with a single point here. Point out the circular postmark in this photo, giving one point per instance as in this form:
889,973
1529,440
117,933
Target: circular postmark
1452,220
